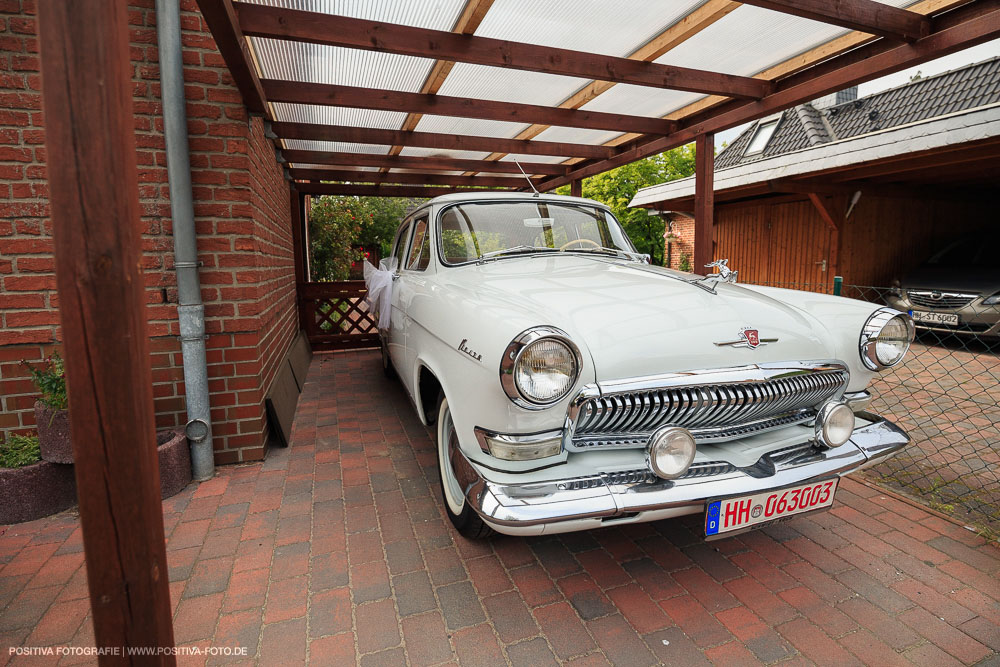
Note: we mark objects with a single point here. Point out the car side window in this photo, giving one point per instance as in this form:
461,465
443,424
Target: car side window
420,255
400,250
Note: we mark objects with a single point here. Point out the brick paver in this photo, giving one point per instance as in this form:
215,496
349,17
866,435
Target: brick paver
337,550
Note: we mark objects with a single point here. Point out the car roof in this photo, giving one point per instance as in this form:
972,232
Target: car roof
486,195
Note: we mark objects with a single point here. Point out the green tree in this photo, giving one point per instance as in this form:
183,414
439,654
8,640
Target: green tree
617,187
337,225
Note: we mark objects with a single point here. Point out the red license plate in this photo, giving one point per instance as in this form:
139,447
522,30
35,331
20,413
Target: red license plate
729,514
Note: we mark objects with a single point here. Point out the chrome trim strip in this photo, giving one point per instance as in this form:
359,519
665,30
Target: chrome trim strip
607,495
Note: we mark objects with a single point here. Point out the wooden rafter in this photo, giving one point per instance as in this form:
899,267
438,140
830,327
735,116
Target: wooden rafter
221,19
865,15
312,27
417,162
676,34
961,28
298,92
459,142
349,189
356,176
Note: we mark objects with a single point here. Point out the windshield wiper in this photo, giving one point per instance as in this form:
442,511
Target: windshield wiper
515,250
615,252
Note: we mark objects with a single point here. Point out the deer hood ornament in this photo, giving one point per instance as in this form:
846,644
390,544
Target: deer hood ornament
725,274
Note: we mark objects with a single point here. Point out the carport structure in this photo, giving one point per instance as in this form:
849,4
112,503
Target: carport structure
395,99
420,95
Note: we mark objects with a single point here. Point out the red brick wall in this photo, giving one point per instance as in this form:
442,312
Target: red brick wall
242,220
682,242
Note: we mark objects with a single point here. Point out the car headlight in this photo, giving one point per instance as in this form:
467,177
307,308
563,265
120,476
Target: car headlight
885,338
539,367
992,300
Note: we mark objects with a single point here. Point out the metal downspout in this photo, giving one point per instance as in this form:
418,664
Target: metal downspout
190,310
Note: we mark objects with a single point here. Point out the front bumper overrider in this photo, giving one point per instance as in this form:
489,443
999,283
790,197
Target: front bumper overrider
581,502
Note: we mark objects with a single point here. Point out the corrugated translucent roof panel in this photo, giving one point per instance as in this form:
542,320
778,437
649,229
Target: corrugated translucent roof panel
305,165
765,38
509,85
335,146
417,151
577,135
310,113
436,15
611,28
319,63
469,126
550,159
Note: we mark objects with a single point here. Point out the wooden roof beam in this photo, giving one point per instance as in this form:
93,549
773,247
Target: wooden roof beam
357,176
221,19
350,189
418,162
458,142
864,15
317,28
299,92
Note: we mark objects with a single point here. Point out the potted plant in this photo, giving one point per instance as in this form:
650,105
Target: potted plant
51,416
31,488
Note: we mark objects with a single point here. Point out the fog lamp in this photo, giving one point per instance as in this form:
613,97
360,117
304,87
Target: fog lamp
834,424
671,451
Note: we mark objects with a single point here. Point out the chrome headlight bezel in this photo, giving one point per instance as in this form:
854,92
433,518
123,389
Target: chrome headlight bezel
512,355
869,337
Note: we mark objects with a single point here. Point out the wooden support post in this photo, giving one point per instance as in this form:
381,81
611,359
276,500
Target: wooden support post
704,198
576,188
87,100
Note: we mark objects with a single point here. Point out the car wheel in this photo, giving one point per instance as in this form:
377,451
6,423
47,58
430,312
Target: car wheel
387,368
462,516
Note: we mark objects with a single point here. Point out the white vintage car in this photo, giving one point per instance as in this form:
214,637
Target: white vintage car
573,385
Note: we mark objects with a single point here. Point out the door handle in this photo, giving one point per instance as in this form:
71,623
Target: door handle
821,264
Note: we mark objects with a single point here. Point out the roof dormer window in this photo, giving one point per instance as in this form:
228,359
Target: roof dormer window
762,135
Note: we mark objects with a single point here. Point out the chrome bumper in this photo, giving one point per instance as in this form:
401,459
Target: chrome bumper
515,508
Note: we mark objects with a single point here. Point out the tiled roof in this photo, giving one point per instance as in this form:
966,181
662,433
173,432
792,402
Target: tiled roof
805,126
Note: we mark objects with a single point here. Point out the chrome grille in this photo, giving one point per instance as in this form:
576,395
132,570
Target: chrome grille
944,300
711,411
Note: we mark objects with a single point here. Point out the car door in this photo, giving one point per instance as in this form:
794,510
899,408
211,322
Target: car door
411,282
395,336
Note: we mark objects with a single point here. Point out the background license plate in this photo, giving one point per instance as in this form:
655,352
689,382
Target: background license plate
729,514
934,318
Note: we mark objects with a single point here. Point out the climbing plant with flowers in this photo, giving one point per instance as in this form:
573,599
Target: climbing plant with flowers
344,230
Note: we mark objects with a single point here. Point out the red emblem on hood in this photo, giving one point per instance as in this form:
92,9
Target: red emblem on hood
752,337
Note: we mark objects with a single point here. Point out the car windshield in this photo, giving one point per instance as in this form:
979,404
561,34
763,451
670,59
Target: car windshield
970,253
473,231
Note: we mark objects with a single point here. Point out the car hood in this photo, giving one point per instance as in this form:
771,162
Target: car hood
638,320
960,279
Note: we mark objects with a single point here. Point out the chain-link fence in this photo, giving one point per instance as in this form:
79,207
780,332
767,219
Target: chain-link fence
946,394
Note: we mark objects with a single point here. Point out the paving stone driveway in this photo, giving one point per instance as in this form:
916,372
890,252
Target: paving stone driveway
337,550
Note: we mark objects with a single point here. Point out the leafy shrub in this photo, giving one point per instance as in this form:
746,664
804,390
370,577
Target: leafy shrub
19,451
685,263
50,380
